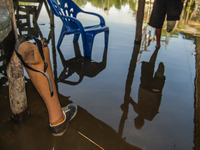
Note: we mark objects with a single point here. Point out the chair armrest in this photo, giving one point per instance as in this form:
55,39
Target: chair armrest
74,20
102,21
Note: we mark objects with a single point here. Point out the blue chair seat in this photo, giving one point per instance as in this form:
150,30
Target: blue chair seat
67,10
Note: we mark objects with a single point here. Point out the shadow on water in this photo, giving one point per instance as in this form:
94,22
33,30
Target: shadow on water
33,133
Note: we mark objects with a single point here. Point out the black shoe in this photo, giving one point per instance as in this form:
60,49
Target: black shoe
69,112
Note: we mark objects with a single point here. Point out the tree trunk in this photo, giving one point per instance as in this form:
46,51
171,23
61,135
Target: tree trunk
17,93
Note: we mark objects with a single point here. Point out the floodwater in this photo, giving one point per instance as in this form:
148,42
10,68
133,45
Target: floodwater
117,108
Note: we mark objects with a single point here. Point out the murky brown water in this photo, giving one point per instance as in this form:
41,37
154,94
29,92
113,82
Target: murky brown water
117,109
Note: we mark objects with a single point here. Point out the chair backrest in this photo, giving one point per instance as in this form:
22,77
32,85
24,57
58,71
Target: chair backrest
64,8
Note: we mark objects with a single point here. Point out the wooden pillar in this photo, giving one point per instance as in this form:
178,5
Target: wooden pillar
52,34
17,93
197,98
139,20
51,16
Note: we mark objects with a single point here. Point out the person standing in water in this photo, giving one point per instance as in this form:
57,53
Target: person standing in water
161,8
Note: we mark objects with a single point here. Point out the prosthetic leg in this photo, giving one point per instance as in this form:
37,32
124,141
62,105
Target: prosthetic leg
37,62
33,58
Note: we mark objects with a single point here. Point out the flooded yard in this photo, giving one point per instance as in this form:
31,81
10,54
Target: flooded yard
115,108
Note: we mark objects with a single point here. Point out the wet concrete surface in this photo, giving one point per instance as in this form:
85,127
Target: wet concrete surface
117,107
33,133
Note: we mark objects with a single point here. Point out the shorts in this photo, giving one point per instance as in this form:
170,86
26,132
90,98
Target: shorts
161,8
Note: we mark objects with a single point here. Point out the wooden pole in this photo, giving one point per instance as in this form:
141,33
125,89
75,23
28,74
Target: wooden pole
53,48
140,16
17,93
189,9
197,98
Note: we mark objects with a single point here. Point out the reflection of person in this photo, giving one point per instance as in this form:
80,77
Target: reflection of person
150,91
161,8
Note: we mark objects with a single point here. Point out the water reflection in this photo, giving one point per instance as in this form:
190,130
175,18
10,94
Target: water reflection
189,19
146,107
197,98
150,90
81,66
22,136
107,4
89,124
127,99
3,64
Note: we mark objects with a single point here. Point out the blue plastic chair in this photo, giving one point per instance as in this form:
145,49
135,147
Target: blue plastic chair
67,10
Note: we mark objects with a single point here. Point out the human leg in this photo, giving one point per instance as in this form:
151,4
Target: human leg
157,18
31,56
174,9
154,56
158,37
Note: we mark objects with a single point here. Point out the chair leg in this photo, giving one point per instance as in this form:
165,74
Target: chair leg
83,37
76,37
88,45
61,37
106,38
60,40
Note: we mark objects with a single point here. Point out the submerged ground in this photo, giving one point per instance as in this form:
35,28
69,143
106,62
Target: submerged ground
114,108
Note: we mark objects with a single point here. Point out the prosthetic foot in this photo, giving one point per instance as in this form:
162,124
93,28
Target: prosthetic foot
170,25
